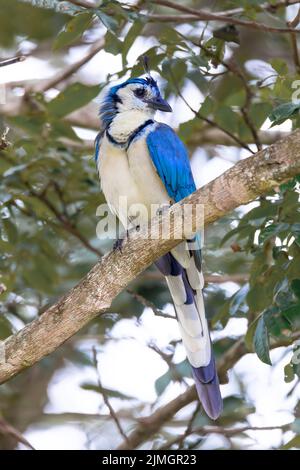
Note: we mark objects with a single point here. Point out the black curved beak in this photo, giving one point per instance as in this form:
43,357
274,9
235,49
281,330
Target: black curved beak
159,104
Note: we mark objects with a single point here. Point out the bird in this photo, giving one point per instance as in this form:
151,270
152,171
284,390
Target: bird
144,161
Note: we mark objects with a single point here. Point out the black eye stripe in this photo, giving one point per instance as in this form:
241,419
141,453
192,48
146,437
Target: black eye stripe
117,99
139,92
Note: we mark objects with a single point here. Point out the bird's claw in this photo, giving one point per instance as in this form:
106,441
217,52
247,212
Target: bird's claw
119,242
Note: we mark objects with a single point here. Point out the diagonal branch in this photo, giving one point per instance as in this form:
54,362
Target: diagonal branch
241,184
209,16
14,60
68,71
271,8
8,429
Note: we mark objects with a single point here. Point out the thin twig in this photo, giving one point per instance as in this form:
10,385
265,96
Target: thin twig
228,432
63,219
106,399
13,60
208,16
8,429
189,430
3,141
236,11
232,67
208,120
293,36
147,303
82,3
68,71
208,278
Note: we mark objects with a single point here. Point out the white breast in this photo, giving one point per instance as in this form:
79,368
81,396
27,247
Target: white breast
151,188
130,176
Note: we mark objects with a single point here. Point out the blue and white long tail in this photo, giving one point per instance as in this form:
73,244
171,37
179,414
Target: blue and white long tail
182,268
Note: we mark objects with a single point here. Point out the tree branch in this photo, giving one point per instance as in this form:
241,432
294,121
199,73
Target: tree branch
206,430
68,71
235,11
8,429
208,16
14,60
209,278
83,3
239,185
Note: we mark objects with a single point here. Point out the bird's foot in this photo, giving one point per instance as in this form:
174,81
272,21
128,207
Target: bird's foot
163,208
119,242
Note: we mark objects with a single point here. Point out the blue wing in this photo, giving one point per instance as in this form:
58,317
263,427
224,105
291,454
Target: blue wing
171,161
97,145
172,164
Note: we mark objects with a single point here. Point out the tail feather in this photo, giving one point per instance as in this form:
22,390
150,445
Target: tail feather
208,389
185,281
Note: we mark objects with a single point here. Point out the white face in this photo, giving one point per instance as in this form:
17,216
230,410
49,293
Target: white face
135,96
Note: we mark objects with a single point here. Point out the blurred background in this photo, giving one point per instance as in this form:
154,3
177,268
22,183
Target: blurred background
228,82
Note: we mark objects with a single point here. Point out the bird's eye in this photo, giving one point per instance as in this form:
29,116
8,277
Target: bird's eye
139,92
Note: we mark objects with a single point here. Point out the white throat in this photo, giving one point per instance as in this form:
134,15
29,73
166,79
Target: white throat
126,122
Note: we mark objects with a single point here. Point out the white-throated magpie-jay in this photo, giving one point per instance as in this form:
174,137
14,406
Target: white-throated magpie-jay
145,161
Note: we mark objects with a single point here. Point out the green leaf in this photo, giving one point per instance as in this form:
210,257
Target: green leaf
111,393
295,442
73,30
272,230
176,70
295,286
61,129
261,341
283,112
176,372
73,97
228,33
235,409
264,210
131,36
10,230
259,112
250,333
238,299
227,118
113,45
109,22
292,314
5,328
296,426
240,228
280,66
289,373
162,382
207,107
31,124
